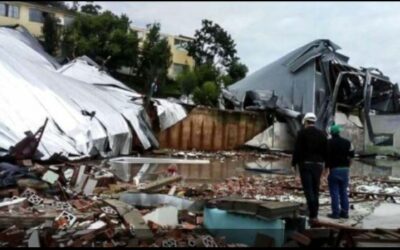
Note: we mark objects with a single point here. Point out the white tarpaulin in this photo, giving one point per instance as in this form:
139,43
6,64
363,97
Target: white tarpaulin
84,119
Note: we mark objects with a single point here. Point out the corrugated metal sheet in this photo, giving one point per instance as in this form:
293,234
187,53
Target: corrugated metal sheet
213,129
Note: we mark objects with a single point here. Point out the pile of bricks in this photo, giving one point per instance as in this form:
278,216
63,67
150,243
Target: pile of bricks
79,207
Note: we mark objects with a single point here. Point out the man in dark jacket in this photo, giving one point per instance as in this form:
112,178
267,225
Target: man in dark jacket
310,155
340,152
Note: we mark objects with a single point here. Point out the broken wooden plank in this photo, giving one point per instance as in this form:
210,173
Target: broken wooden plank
121,207
138,226
329,224
373,235
143,160
31,220
133,218
160,183
263,240
390,232
273,209
300,238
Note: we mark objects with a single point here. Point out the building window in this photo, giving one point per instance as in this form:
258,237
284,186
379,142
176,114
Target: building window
141,35
179,68
13,11
180,44
68,20
3,9
36,15
9,10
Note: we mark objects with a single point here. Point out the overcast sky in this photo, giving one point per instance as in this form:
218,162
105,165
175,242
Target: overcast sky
367,32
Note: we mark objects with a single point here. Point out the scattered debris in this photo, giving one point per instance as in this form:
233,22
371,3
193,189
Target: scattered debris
164,216
87,205
143,160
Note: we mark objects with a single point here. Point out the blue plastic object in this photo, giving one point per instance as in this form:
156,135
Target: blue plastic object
238,228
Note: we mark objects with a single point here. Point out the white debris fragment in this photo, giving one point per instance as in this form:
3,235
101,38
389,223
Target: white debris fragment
97,225
50,177
164,216
369,189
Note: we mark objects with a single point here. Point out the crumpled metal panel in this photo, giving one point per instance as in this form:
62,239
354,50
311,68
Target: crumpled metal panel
154,200
84,69
81,69
32,90
33,43
169,113
293,78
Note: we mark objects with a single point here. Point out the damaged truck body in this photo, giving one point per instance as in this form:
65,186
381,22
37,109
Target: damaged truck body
316,78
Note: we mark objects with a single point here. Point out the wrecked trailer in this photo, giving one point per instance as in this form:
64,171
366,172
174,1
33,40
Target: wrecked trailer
315,78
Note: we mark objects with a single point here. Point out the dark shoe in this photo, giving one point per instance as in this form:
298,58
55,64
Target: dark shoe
344,215
333,216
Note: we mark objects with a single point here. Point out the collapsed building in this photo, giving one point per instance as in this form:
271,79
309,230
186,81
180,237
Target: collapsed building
316,78
87,112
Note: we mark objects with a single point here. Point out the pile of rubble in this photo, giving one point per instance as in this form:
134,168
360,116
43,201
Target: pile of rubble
384,186
221,155
71,205
77,205
242,186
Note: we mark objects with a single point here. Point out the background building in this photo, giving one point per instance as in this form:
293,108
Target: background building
180,57
31,15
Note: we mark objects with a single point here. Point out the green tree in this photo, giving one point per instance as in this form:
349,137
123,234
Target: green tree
75,5
206,72
91,9
212,45
51,34
207,94
192,82
214,52
155,58
105,38
187,81
237,71
57,4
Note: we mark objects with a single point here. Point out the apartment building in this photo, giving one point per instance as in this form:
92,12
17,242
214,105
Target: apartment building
31,15
180,57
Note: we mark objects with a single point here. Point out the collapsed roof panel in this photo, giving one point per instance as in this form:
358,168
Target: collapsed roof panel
295,78
84,119
84,69
316,78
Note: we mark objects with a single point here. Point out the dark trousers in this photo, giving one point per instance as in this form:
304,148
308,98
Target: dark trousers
310,175
338,181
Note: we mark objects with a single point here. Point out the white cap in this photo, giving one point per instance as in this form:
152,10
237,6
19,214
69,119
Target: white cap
309,117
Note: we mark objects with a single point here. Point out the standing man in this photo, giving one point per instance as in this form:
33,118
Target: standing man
340,152
310,155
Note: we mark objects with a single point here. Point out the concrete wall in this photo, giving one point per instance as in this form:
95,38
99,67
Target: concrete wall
384,124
